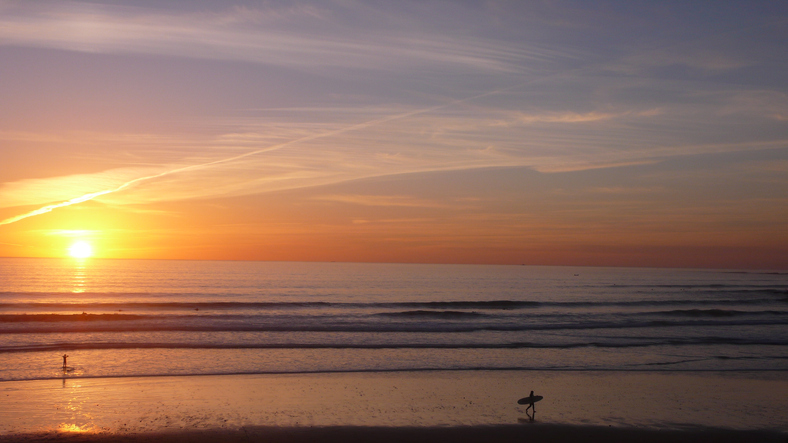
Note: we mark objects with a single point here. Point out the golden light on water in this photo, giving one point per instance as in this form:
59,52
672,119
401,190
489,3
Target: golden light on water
80,249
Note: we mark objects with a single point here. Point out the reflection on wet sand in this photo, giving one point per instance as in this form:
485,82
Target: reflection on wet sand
72,413
164,404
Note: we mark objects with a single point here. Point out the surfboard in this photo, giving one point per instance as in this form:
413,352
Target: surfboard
529,400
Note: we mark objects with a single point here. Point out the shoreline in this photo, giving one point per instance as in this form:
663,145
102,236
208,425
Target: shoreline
727,372
459,434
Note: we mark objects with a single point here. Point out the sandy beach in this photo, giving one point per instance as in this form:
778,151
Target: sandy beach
476,405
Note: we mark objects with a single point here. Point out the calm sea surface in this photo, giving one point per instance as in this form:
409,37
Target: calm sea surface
147,317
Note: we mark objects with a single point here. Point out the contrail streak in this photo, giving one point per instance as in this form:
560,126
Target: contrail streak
91,196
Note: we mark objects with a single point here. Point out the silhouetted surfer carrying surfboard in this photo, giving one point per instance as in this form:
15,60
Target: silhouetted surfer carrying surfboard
530,400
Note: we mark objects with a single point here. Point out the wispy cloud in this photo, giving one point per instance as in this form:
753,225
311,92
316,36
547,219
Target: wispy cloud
440,139
565,119
71,233
568,117
408,221
64,188
701,59
286,36
621,190
289,176
384,200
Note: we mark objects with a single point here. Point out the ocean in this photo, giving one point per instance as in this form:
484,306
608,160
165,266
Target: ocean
123,318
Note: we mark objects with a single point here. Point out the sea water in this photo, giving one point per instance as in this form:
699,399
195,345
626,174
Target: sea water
154,317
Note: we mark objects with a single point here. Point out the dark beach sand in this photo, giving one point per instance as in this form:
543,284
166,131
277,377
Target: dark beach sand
459,434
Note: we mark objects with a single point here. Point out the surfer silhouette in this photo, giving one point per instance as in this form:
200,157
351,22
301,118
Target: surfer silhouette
531,402
65,356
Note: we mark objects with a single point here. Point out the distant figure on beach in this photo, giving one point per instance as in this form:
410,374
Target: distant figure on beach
65,356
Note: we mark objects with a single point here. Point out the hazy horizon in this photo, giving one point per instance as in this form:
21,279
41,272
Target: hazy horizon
86,261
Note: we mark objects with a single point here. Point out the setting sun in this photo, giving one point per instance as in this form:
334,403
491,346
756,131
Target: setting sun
80,249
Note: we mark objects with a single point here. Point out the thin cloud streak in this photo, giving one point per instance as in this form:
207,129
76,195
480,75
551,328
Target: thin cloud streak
386,201
448,152
50,208
93,195
95,28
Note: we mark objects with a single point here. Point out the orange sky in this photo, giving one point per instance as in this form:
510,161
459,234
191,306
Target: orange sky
563,134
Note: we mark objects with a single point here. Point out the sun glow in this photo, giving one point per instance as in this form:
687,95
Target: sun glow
80,249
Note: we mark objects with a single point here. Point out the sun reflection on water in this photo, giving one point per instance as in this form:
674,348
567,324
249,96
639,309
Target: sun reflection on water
79,277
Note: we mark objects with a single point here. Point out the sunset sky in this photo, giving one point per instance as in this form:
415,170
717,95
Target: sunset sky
615,133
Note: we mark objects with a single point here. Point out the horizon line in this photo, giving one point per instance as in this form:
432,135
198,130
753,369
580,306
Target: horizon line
777,271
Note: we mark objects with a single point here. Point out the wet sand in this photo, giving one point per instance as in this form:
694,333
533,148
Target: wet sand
395,406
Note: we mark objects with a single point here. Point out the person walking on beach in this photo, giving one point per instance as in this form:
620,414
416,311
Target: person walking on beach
531,404
65,356
530,401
